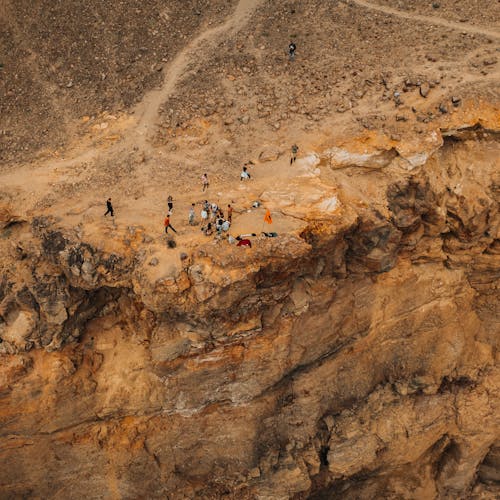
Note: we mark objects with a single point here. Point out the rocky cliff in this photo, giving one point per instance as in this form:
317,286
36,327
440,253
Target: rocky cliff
355,357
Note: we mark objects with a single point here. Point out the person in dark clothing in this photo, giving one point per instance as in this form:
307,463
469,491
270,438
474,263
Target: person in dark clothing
291,51
170,203
167,224
295,150
109,208
207,231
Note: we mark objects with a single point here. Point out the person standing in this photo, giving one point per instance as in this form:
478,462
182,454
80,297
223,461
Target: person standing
204,180
230,213
170,203
295,150
204,212
109,207
191,215
291,51
214,209
167,224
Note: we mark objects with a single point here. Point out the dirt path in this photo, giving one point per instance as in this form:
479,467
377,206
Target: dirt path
149,108
477,30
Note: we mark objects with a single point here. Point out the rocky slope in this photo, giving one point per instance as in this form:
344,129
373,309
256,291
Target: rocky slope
355,356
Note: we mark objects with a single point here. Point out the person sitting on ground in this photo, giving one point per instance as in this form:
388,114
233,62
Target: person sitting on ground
269,235
244,176
208,231
226,225
244,243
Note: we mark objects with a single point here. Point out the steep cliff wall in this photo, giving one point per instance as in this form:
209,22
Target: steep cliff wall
355,357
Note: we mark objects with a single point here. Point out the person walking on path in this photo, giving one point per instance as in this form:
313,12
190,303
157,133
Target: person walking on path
204,180
109,208
170,203
167,224
244,176
291,51
295,150
191,215
230,213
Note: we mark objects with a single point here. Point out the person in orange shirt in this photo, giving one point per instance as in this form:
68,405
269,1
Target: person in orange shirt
167,224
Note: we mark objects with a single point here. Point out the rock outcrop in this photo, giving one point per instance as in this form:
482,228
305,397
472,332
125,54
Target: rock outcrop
354,358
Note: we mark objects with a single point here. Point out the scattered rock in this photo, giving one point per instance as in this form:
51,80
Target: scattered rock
254,473
245,119
7,218
425,89
456,101
269,154
154,261
490,62
443,108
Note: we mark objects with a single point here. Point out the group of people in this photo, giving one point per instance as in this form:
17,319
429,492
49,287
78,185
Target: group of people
213,219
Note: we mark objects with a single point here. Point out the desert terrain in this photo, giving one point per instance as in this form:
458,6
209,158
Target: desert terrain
353,356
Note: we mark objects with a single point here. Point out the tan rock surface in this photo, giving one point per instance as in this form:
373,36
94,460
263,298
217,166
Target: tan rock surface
355,355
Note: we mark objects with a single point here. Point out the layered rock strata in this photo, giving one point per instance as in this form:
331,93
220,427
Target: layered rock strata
354,358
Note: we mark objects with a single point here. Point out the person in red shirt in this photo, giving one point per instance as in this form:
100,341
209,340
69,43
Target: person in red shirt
167,224
244,243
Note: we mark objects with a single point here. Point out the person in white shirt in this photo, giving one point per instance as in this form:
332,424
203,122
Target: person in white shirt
244,176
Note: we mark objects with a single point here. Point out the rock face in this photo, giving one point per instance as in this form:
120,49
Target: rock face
355,359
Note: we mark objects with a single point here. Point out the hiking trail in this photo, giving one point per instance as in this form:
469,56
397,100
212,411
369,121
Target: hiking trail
477,30
148,110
